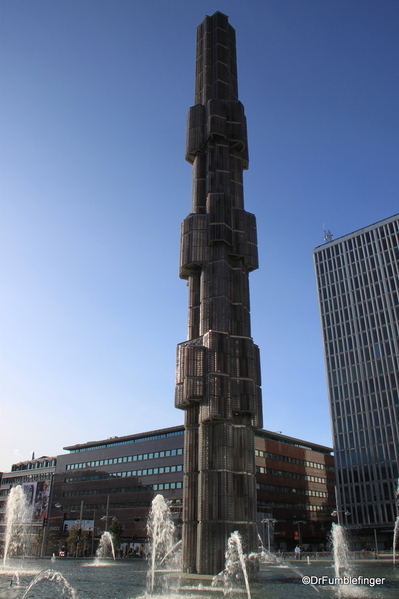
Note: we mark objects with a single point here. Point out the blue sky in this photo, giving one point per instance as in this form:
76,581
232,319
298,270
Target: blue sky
94,186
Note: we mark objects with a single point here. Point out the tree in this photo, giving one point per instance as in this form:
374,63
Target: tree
116,530
39,540
76,537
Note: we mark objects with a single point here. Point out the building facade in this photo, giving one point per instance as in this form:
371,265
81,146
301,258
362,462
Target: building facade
36,476
118,477
358,290
295,482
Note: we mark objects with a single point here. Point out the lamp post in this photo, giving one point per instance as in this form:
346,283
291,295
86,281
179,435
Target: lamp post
93,533
268,521
79,522
106,515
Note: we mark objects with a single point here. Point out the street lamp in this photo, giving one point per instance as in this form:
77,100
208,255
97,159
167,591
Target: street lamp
268,521
336,514
106,515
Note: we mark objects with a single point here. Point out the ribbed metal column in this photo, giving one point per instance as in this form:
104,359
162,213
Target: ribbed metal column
218,372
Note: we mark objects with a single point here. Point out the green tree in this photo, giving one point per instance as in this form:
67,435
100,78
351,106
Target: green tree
116,530
77,537
39,541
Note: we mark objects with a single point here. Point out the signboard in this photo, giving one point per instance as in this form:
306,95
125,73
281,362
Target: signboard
37,494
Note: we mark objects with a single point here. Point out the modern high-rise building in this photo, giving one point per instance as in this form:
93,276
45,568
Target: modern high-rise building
358,289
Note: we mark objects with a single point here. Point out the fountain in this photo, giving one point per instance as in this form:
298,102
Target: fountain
128,579
106,547
235,566
395,540
396,528
52,576
15,580
342,567
265,555
161,532
340,551
17,519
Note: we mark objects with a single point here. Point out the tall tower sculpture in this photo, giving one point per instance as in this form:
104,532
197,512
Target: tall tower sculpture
218,372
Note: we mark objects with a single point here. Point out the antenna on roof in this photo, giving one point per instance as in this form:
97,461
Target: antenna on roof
327,234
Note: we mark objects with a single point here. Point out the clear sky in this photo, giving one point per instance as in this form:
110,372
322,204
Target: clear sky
94,186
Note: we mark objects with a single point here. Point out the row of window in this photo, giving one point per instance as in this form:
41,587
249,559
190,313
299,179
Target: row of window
292,506
367,473
33,465
350,313
365,370
366,332
157,487
371,342
264,435
27,478
367,493
364,244
130,458
353,455
308,492
377,438
386,302
369,514
367,421
338,356
372,385
372,289
369,434
359,274
127,441
313,479
329,277
103,506
284,458
145,472
366,403
166,486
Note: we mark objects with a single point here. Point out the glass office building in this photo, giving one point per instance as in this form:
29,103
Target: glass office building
358,290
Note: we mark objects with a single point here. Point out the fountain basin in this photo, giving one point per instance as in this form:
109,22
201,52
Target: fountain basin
126,579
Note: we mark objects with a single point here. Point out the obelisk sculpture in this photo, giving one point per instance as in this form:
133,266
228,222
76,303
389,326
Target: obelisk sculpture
218,371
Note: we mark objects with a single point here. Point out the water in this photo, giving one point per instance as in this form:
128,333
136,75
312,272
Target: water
62,585
396,528
235,566
342,567
161,532
17,515
340,551
395,540
132,578
106,547
126,579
